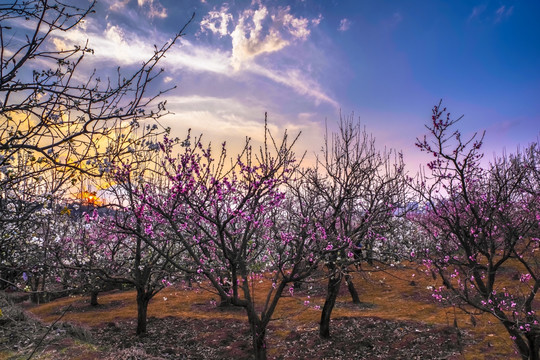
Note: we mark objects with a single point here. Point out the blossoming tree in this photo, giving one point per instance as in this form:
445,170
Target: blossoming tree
356,191
484,224
229,217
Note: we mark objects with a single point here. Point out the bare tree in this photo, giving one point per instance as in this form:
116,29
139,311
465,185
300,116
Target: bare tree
357,190
47,111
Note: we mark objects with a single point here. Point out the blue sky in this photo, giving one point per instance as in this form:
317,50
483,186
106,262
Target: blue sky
304,61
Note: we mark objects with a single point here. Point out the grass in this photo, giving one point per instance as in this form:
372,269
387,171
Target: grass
397,294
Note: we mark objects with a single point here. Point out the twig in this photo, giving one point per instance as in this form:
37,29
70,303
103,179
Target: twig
49,330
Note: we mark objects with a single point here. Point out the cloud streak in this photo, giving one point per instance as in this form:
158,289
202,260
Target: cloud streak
476,11
294,79
503,12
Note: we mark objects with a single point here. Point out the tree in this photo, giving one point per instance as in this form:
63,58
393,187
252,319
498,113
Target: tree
231,220
53,125
46,111
356,191
120,243
115,249
484,225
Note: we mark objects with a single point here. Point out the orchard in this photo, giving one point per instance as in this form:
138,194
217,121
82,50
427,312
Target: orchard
258,234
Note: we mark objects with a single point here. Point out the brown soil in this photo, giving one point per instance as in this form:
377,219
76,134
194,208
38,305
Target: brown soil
397,319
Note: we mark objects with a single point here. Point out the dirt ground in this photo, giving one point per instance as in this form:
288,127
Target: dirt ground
397,319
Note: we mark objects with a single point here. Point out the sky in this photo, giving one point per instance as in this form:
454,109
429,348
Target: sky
305,62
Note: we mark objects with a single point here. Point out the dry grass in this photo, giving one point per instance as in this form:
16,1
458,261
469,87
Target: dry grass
387,295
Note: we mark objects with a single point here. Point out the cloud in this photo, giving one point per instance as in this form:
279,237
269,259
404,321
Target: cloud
257,30
154,8
316,21
118,5
499,14
344,25
199,58
297,27
249,40
217,22
503,12
115,44
295,80
476,11
59,44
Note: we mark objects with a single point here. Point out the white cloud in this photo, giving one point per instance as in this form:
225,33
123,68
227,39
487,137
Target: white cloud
499,14
257,31
217,22
154,8
344,25
111,43
317,20
59,44
298,27
118,5
116,45
295,80
249,40
199,58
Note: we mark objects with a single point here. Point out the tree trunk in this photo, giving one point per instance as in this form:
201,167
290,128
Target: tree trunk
533,342
258,334
352,289
94,298
34,286
334,282
520,343
225,301
259,344
142,308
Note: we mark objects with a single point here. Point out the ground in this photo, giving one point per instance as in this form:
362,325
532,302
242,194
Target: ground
397,319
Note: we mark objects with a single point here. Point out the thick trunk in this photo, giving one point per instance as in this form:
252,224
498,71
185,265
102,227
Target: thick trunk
334,282
352,289
533,342
224,301
142,309
258,334
259,344
94,298
522,346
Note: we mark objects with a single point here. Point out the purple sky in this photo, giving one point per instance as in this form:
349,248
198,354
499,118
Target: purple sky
304,61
